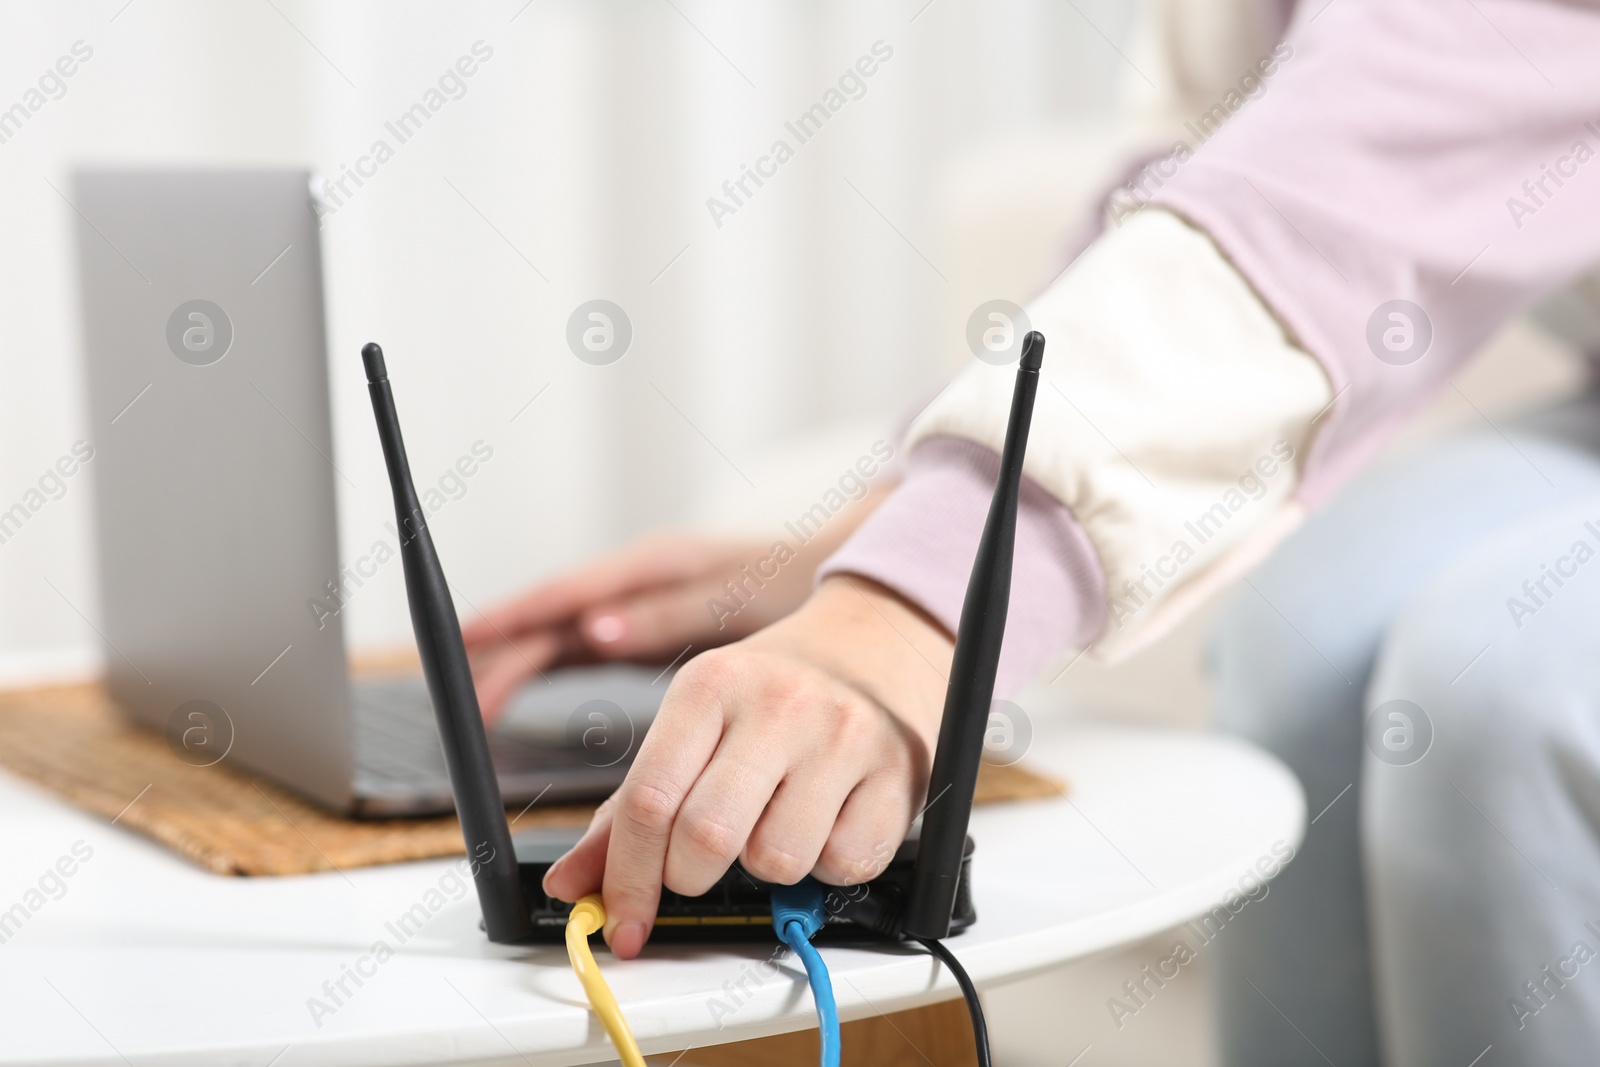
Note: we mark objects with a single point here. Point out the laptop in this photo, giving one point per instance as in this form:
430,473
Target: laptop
208,396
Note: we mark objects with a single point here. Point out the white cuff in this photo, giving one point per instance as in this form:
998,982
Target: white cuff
1171,419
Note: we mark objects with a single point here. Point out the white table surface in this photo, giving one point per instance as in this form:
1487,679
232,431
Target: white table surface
147,960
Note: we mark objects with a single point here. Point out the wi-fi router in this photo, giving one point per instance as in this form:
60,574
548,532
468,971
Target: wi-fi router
925,892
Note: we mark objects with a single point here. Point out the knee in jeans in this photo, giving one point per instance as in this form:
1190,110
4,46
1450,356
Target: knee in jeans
1489,685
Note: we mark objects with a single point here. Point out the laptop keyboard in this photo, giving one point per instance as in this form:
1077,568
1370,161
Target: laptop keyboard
397,738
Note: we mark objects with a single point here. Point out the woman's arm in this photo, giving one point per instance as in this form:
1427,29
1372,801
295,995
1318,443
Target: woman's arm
1378,166
1227,357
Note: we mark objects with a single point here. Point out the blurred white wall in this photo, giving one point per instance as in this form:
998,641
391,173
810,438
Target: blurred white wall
576,165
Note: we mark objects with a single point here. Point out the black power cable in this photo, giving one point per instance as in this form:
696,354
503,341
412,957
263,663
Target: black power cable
980,1030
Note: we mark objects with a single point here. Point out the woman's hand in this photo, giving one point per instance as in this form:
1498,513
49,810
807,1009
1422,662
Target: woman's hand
647,603
804,748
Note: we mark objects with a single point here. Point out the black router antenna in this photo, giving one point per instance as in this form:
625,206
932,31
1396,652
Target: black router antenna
444,663
972,673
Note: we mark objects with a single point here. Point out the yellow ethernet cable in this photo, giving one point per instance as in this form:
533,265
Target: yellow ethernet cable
589,915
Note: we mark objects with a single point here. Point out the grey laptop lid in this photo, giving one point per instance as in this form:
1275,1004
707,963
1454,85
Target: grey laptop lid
213,467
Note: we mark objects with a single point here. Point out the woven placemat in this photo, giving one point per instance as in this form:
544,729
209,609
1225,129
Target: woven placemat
74,741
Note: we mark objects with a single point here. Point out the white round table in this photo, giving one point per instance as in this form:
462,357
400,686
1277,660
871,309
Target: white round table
144,959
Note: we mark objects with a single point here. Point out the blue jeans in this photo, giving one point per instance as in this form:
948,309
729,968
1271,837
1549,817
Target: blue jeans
1425,655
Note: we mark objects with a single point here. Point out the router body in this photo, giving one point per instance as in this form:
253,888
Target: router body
739,906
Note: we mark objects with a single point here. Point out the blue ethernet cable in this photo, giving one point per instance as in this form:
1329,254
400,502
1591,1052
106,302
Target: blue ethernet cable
797,914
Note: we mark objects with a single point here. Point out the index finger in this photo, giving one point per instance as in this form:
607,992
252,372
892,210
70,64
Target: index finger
498,675
675,752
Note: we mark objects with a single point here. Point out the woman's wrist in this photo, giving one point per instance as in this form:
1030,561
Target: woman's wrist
876,641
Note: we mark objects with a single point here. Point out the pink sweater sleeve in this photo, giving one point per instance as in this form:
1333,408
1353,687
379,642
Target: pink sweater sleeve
1442,154
921,541
1445,155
